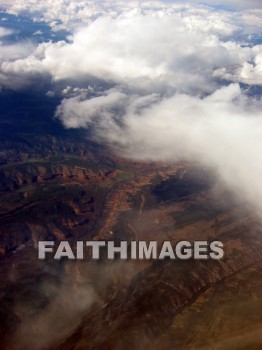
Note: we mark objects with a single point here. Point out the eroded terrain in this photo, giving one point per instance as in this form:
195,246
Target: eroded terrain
64,187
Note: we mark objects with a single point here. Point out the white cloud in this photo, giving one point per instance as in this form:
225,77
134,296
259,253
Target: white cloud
252,18
15,51
235,4
153,53
248,72
68,14
222,131
38,32
5,32
12,52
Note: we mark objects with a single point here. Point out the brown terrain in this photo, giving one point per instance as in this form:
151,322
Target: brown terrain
59,191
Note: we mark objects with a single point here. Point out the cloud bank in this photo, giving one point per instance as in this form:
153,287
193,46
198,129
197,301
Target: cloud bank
149,52
65,14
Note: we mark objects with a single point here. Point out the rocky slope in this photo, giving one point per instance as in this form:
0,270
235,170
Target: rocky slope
121,305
